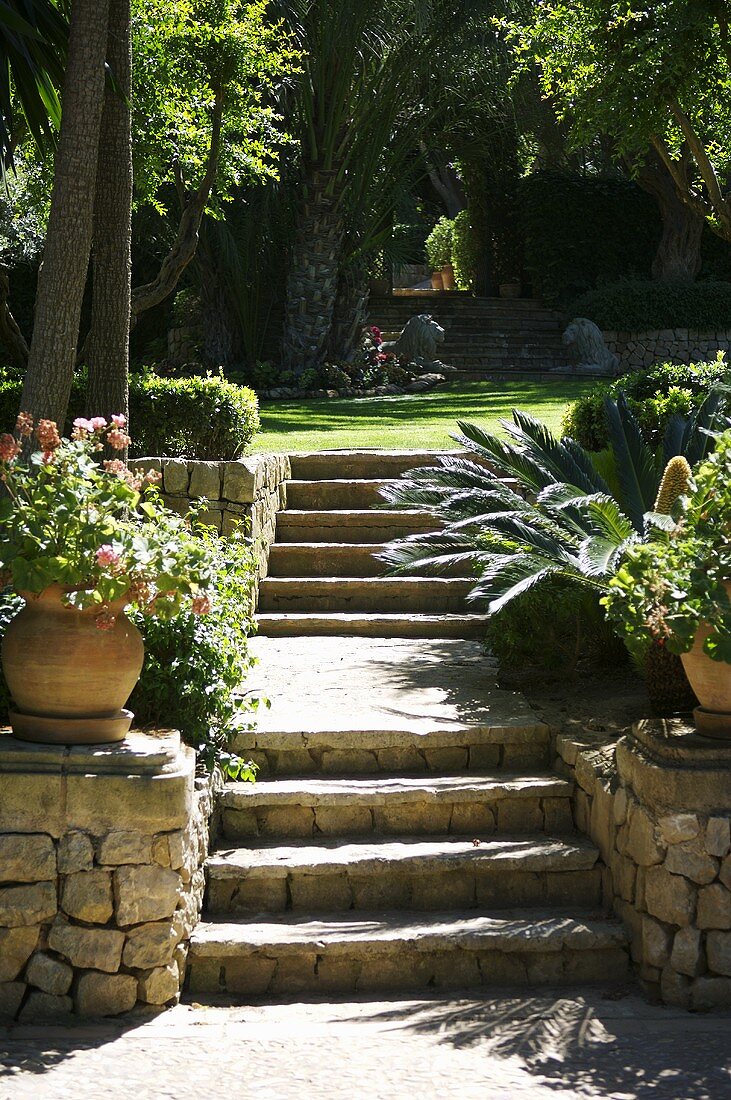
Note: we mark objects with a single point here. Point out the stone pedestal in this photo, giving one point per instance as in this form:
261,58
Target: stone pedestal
101,880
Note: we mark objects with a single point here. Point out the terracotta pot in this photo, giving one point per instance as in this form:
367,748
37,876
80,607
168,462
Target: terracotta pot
448,277
509,290
68,679
711,681
436,280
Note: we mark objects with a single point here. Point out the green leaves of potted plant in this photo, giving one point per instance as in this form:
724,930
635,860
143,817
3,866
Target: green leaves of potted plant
80,541
676,588
438,247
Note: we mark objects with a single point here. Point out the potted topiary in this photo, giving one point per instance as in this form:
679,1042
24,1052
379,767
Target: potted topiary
676,588
79,541
438,247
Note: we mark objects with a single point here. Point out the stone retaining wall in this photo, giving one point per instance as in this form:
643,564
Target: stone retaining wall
643,349
101,874
249,489
660,815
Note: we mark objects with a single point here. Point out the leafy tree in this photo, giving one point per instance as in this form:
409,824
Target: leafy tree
652,78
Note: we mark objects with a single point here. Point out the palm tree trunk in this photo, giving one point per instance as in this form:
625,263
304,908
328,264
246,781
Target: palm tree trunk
62,276
351,311
107,346
313,279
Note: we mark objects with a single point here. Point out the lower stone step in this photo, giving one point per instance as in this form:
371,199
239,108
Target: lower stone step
433,595
397,951
356,525
325,559
364,625
459,805
338,493
405,873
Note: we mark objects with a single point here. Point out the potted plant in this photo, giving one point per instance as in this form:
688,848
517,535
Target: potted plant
81,539
438,247
676,588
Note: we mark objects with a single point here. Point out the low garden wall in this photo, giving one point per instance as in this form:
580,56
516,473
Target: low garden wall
249,489
682,345
656,804
101,874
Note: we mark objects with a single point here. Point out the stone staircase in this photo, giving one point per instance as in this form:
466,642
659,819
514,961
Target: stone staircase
484,337
324,577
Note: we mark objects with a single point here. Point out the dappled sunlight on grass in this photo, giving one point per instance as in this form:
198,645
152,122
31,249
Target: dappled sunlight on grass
408,421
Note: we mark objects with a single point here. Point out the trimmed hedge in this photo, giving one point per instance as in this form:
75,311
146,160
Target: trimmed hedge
635,305
654,395
203,417
465,253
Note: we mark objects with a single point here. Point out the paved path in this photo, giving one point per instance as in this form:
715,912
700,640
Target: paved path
562,1045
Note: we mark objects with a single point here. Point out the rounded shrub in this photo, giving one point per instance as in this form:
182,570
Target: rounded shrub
438,244
465,253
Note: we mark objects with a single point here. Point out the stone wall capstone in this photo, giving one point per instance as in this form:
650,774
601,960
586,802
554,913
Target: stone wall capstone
101,874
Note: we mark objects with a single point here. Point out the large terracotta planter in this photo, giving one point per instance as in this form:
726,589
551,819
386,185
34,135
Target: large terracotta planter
68,679
448,281
436,280
711,681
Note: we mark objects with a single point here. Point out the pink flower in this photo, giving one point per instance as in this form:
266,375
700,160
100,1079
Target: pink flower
98,423
105,620
119,420
376,333
118,439
9,447
107,557
48,458
201,605
24,425
153,476
47,436
116,466
83,424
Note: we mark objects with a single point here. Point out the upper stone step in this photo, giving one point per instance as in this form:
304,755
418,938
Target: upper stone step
340,494
356,465
403,873
460,805
325,559
366,624
402,951
354,525
384,595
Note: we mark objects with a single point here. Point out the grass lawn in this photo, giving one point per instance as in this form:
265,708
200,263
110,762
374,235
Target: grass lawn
412,422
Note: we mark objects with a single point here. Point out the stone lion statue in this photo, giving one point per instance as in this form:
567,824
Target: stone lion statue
587,348
418,339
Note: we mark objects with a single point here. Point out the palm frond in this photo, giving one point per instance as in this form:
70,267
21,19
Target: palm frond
637,471
535,439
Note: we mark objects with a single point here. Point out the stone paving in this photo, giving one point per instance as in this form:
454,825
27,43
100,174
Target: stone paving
568,1045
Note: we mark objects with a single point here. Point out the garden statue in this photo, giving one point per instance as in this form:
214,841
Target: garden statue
418,342
587,348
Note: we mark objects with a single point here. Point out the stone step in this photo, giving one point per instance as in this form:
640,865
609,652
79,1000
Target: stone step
458,805
325,559
349,465
403,873
398,951
385,595
341,494
355,525
275,624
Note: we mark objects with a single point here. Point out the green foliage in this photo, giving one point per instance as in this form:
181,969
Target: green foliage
465,251
655,396
202,417
552,627
635,305
438,244
194,666
667,587
98,531
584,230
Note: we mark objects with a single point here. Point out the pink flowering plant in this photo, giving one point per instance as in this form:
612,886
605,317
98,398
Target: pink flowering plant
98,529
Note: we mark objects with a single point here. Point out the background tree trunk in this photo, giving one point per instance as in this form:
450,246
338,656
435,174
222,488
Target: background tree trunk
107,346
63,273
313,278
678,254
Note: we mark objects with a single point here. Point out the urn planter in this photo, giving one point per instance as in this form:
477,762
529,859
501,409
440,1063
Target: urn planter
711,681
448,281
70,680
436,280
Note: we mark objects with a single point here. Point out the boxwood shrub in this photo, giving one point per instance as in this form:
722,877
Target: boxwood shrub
204,417
654,395
636,305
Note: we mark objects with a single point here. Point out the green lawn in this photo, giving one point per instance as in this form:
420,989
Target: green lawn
413,422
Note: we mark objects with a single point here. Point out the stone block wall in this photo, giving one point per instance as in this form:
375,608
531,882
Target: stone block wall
636,350
664,834
101,874
249,489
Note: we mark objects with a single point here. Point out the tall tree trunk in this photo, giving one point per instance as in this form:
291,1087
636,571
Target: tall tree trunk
107,346
351,311
62,276
313,278
678,254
